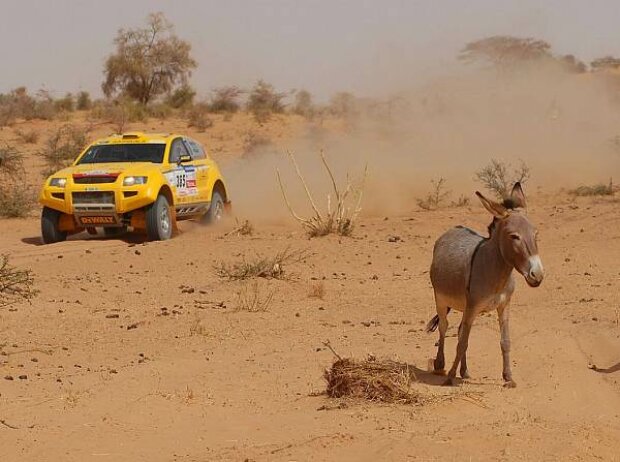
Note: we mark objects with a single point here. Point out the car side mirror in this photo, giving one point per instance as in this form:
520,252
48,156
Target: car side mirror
184,158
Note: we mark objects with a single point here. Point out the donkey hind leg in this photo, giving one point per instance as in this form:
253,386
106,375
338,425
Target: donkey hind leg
502,314
464,371
440,360
461,348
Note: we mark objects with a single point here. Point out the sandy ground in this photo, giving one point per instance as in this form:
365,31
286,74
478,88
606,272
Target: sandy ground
137,352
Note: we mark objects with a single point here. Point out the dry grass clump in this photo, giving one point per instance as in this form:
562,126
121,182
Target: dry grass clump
244,228
383,381
499,177
339,219
436,197
198,117
260,266
317,290
11,160
17,197
15,284
594,190
250,299
27,136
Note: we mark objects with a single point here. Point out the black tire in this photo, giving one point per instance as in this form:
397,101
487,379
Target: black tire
115,232
216,209
49,226
159,220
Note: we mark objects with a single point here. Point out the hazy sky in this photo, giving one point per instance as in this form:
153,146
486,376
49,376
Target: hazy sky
369,47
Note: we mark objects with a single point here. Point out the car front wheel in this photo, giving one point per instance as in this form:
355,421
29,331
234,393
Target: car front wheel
159,220
216,209
50,230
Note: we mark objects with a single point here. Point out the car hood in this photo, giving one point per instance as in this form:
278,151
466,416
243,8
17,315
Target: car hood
111,168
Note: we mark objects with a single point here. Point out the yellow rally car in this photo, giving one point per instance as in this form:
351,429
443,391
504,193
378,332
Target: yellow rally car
143,181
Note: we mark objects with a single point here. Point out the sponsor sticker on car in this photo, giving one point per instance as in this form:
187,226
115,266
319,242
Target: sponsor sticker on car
98,220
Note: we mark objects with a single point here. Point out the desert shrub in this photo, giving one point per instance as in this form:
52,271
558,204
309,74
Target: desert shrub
499,177
461,201
250,299
260,266
317,290
198,117
436,197
159,110
339,219
594,190
343,104
225,99
303,105
244,228
63,146
11,160
17,197
119,113
83,101
27,136
15,284
66,103
253,142
264,101
181,97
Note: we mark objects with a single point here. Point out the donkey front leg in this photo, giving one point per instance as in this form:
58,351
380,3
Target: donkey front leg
502,313
461,349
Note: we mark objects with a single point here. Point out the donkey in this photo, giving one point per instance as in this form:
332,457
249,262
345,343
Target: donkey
473,274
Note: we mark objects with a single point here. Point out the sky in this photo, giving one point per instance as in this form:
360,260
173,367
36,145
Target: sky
369,47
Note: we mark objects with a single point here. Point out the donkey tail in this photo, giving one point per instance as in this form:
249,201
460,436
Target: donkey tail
434,322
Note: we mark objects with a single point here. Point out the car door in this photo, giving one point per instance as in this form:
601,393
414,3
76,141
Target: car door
201,163
185,178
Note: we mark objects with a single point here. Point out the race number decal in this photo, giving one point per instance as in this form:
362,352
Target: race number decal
184,180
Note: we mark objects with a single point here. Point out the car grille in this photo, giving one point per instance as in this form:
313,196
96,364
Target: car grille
93,201
94,179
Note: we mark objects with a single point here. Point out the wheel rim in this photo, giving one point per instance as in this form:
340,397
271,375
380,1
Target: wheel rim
219,210
164,220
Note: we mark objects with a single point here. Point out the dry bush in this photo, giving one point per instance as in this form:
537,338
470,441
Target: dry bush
225,99
317,290
83,101
15,284
260,266
161,111
499,177
436,197
462,201
594,190
17,197
181,97
65,104
383,381
244,228
254,142
198,117
63,146
250,299
303,105
339,220
119,113
11,160
28,136
264,101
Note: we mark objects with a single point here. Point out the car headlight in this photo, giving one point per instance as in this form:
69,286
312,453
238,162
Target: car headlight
58,182
134,180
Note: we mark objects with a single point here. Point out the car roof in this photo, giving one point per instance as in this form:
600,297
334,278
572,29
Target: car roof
138,138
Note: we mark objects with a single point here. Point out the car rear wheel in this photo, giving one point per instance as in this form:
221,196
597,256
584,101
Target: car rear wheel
50,231
159,220
216,209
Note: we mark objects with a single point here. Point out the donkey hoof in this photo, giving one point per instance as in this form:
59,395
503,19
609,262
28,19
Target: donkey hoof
510,384
450,382
439,371
465,375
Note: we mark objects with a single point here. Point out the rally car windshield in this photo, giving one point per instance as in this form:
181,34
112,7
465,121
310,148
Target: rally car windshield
104,153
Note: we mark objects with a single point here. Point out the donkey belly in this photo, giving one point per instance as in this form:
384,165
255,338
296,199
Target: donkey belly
451,266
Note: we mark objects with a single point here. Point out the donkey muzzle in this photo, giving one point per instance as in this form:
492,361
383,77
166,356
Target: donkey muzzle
535,273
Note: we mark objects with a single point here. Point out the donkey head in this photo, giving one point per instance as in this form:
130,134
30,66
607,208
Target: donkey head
516,235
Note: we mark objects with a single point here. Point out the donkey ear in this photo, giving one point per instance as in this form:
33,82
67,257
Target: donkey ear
518,196
495,208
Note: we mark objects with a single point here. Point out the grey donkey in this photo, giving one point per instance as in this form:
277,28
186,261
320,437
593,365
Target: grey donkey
473,274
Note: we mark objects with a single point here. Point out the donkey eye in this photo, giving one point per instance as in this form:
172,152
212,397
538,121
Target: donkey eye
515,237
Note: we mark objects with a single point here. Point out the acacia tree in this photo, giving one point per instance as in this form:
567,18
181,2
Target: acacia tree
605,63
504,51
148,61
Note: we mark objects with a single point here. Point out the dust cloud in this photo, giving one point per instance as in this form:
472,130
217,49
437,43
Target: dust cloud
563,125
